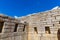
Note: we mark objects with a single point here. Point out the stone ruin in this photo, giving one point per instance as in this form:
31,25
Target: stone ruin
11,28
43,25
37,26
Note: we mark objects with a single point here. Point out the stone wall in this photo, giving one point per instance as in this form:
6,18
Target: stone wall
40,21
39,26
8,29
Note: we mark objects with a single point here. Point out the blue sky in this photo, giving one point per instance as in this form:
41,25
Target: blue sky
25,7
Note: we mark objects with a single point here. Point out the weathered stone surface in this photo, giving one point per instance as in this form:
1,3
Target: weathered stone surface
41,20
39,26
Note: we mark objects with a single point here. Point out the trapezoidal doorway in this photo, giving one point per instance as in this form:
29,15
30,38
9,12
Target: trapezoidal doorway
58,34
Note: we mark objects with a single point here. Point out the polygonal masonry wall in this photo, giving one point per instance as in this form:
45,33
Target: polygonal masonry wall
39,26
11,28
44,25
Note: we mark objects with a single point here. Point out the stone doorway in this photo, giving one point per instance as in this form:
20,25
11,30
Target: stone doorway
58,34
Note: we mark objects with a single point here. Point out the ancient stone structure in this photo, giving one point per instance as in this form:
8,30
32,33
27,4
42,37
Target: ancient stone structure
38,26
43,25
11,28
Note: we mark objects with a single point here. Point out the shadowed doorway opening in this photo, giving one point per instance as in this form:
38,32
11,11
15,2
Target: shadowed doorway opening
58,34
